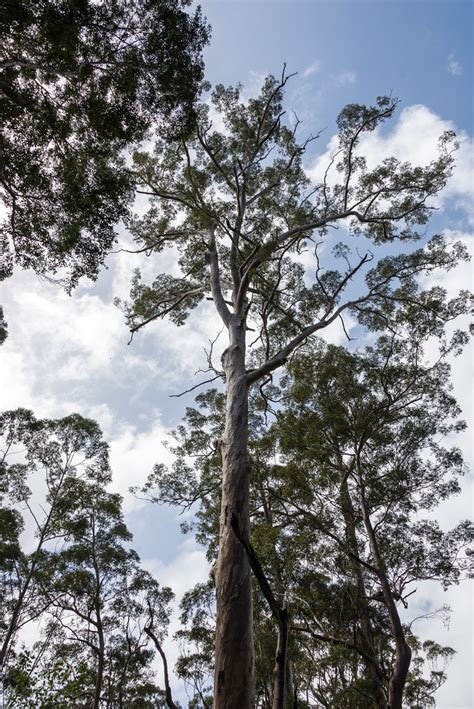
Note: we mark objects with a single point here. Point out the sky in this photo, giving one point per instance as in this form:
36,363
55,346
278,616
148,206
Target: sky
70,353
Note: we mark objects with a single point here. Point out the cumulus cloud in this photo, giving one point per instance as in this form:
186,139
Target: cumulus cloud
413,136
133,453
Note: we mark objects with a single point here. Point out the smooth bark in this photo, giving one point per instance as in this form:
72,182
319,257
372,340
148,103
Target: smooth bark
234,669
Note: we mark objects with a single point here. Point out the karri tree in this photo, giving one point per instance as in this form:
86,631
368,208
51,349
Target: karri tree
339,485
51,456
362,461
238,207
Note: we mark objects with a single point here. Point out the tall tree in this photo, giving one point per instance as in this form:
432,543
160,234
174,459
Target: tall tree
238,207
102,615
369,428
376,415
80,81
56,454
102,600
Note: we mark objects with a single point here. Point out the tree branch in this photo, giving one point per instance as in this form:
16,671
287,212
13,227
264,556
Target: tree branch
216,289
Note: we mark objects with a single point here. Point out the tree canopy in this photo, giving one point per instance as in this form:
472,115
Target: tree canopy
238,208
315,469
343,486
75,574
80,82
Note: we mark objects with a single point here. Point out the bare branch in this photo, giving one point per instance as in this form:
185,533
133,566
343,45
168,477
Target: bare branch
196,386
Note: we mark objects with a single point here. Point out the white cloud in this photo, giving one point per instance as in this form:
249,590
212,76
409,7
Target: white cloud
414,137
188,568
311,69
454,66
345,78
133,453
336,333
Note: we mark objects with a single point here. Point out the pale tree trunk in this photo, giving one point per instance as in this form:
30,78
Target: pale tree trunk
402,649
98,621
281,662
366,632
291,689
234,670
100,663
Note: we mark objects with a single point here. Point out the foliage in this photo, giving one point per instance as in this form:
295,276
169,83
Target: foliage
238,208
386,410
81,580
80,82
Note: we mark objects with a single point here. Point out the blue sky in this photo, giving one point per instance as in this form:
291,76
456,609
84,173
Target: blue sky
407,47
69,354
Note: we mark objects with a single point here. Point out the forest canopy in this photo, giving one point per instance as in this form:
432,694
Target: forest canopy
309,473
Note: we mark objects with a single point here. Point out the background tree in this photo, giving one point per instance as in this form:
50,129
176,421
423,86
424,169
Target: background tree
79,83
384,409
56,454
98,609
238,208
373,431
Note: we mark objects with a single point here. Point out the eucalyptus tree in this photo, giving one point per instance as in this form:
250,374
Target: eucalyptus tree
84,642
80,82
339,556
238,207
360,438
99,611
90,573
50,456
102,601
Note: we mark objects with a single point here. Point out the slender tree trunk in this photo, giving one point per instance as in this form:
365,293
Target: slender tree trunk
402,649
98,622
13,624
100,663
366,633
281,661
291,689
168,695
234,671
